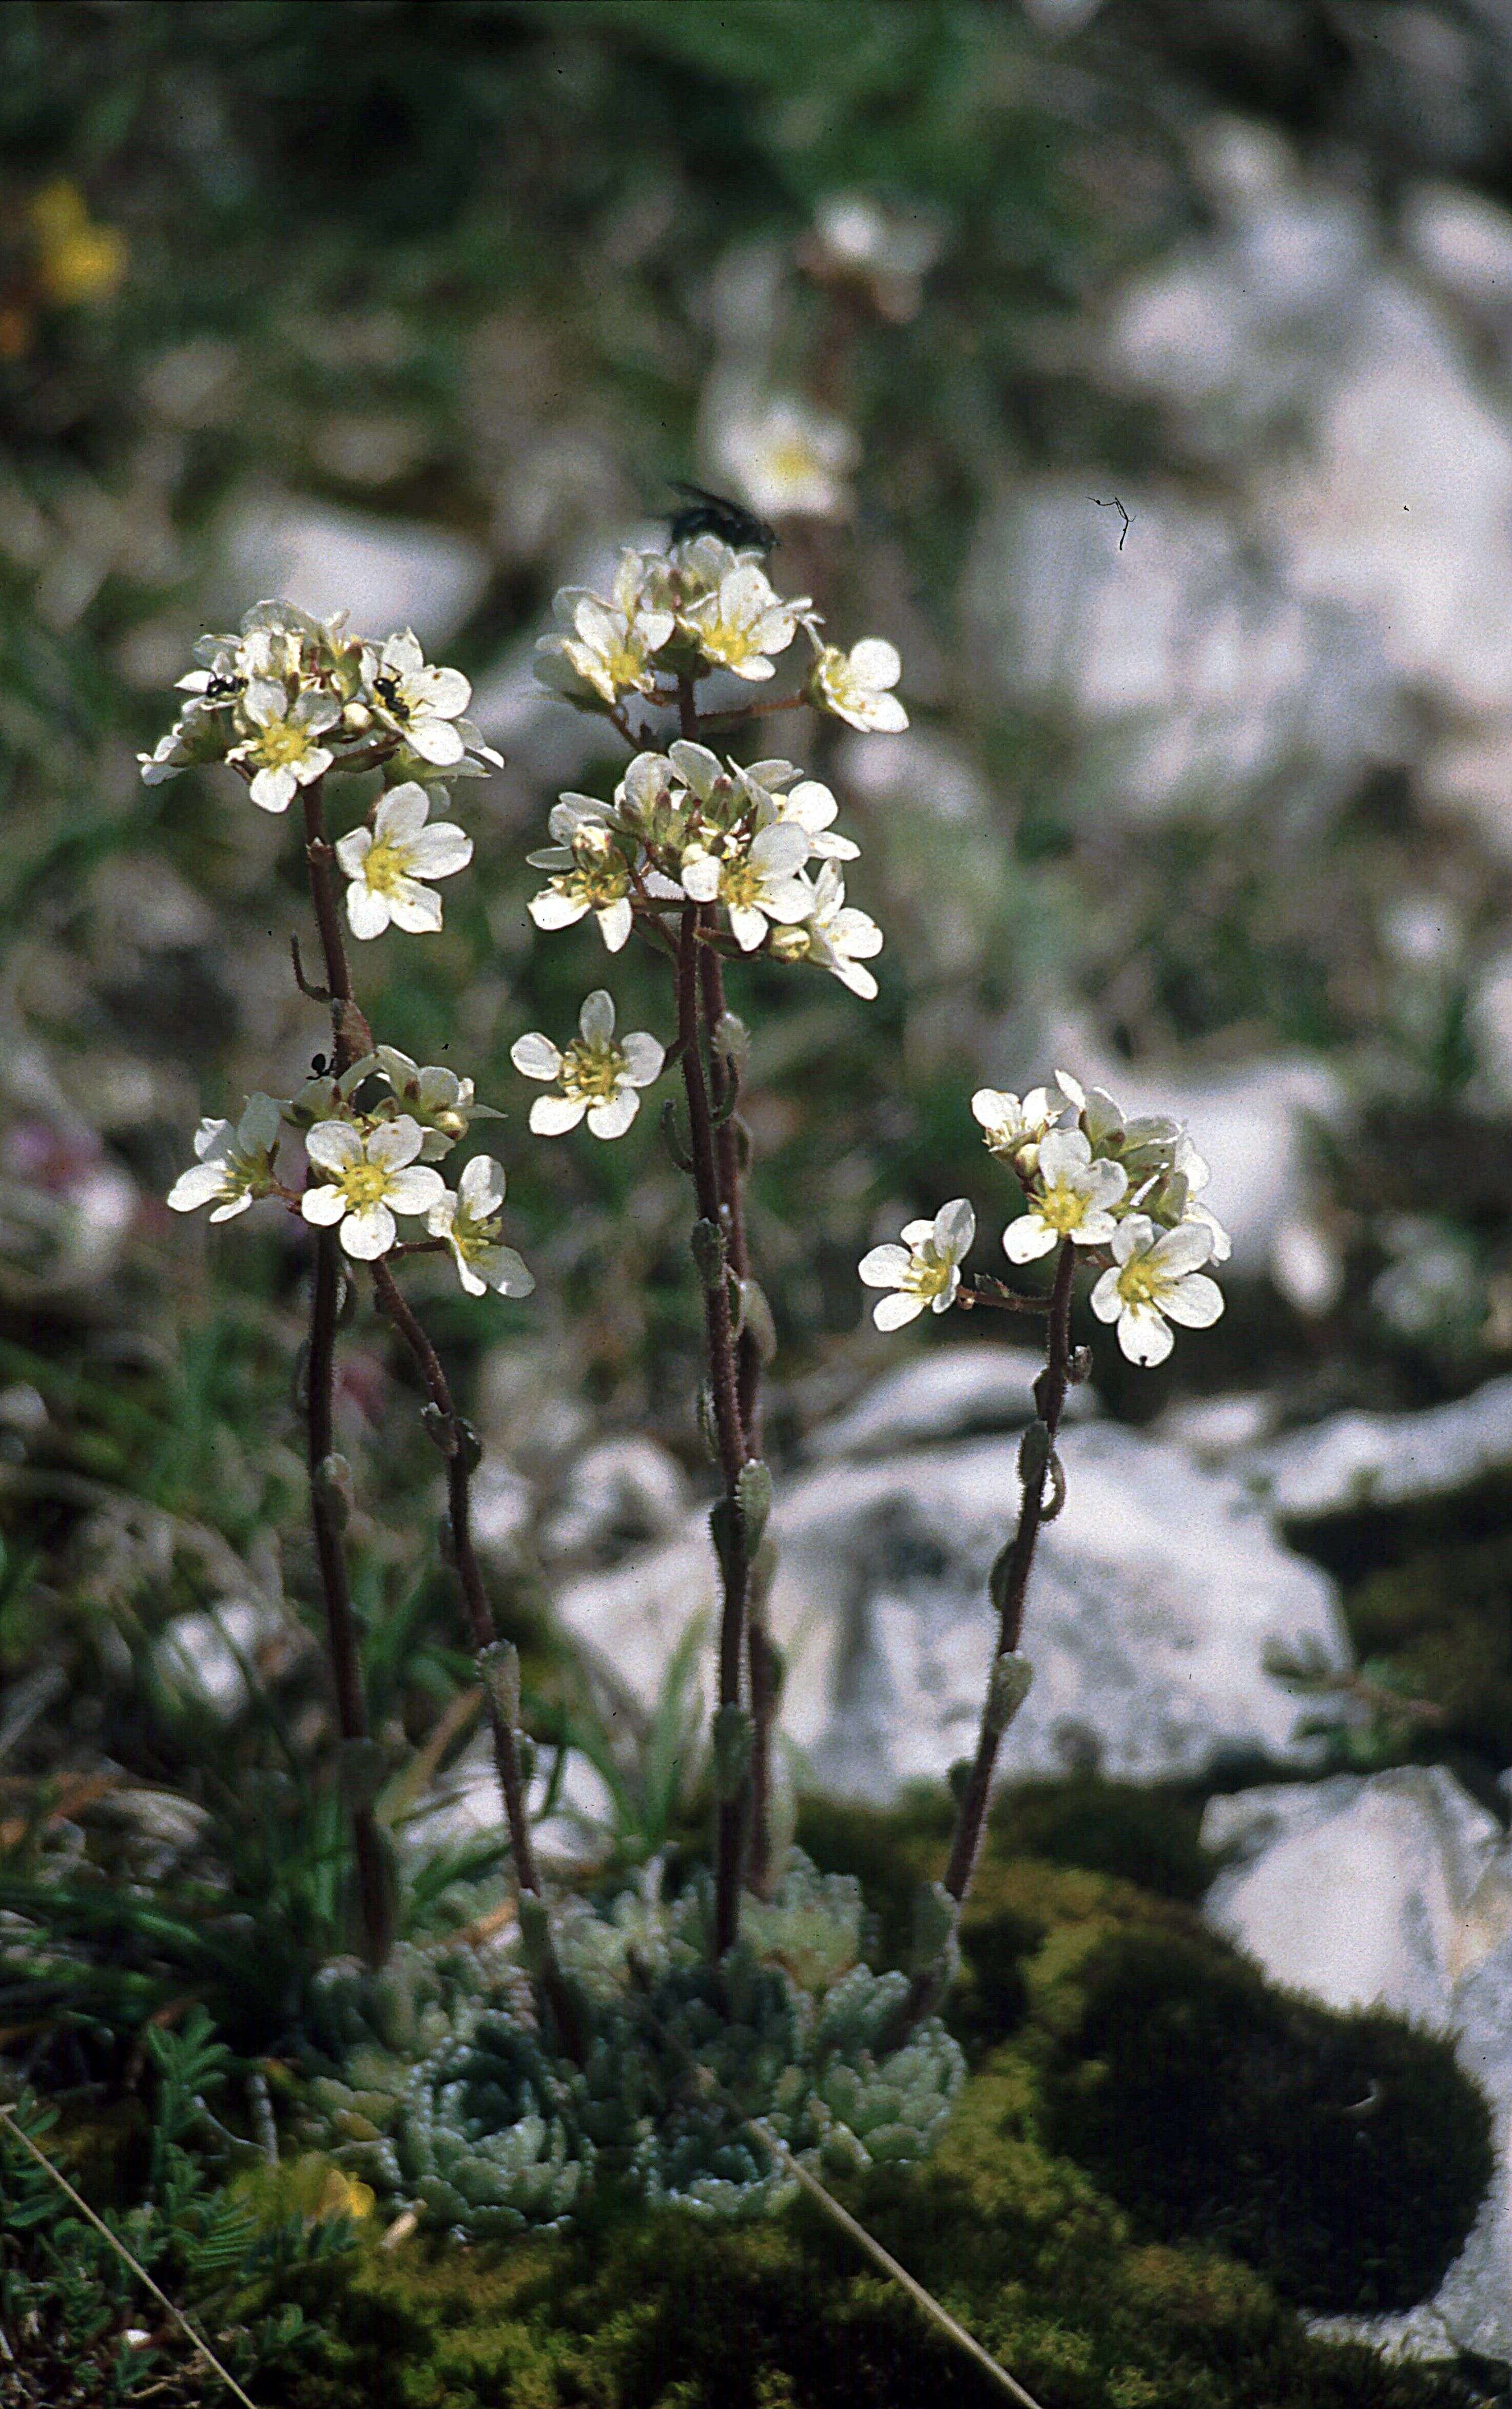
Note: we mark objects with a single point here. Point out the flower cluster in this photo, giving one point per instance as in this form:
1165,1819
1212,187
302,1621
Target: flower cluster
289,699
701,607
367,1166
1121,1188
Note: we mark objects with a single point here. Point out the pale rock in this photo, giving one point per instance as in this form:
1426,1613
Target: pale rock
946,1394
1354,1460
503,1510
1192,672
1212,1429
201,1657
1392,1889
620,1494
1463,242
386,573
1158,1595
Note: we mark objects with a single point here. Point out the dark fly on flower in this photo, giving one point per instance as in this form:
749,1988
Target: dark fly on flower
706,513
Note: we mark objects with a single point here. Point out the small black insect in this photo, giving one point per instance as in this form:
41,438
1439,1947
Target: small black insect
318,1065
706,513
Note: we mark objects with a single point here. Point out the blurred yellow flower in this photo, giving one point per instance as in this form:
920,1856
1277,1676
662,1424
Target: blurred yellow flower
77,260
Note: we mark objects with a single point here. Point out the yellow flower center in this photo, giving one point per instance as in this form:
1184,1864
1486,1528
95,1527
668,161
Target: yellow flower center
740,884
1062,1208
927,1276
364,1184
591,1070
791,463
283,742
595,883
1139,1283
386,866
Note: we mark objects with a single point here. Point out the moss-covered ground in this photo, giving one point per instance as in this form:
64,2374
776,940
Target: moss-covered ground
1158,2162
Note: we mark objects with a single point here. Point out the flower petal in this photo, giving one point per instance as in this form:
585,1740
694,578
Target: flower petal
612,1119
415,909
892,1312
441,850
955,1228
644,1056
1025,1240
1144,1334
394,1142
369,1232
595,1021
322,1205
535,1056
414,1189
554,1116
1195,1301
334,1145
367,912
402,813
885,1266
481,1187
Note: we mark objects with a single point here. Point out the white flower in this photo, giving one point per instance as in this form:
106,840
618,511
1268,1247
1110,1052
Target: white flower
469,1221
1013,1126
235,1164
367,1181
832,933
1153,1282
756,884
925,1269
597,1076
417,702
285,752
809,803
442,1104
743,622
789,459
856,686
594,876
1072,1199
386,863
610,643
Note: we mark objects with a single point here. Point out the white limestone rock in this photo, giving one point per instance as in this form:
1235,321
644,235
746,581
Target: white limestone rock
946,1393
1393,1889
1158,1597
386,573
1355,1460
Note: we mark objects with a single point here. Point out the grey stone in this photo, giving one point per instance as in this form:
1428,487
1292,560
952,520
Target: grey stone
1158,1597
1356,1461
386,573
946,1393
618,1494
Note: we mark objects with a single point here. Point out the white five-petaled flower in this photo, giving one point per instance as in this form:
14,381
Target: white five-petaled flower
758,884
365,1180
387,862
1013,1126
610,643
417,701
743,622
594,876
856,686
925,1270
599,1075
235,1164
833,933
469,1221
285,752
809,803
1072,1199
443,1105
1154,1280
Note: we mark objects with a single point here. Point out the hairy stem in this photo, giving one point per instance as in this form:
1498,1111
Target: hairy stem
456,1438
723,1379
725,1087
1050,1396
327,1513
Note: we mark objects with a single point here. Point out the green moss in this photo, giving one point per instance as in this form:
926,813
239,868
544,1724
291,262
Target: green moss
662,2313
1439,1625
1344,2156
1147,1836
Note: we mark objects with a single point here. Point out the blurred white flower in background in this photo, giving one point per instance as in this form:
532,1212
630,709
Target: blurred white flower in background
787,458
